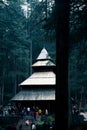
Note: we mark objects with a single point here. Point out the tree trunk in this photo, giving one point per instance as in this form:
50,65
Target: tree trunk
62,42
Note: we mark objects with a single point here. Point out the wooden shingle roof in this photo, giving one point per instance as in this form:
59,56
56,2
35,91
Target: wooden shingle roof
43,55
35,95
40,78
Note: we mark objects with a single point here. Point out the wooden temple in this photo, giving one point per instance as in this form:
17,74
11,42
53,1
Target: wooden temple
39,88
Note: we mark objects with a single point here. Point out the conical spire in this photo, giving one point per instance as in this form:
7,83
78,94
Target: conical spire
43,59
43,55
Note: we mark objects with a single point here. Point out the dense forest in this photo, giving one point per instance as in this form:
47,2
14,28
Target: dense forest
26,26
23,34
78,51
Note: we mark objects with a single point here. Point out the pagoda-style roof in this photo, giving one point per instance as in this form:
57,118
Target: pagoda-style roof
35,95
43,63
43,55
36,84
40,78
43,59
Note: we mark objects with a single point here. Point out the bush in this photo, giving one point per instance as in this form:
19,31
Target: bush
50,119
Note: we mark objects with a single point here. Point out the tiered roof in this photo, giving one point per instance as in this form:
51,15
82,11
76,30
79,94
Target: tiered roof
40,79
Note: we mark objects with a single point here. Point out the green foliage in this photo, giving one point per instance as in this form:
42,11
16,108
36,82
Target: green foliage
39,123
50,119
78,50
78,20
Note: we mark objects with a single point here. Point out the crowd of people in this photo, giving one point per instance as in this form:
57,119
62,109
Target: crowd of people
29,115
21,111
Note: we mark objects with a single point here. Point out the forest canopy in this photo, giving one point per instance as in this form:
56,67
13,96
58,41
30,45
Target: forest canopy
26,26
